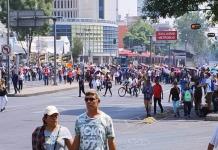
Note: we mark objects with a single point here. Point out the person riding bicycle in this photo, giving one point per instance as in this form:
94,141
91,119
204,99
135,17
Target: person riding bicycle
134,86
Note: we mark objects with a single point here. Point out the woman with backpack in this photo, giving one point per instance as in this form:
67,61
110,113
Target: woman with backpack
147,90
187,100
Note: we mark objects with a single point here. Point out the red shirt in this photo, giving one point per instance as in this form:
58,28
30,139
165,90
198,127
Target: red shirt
157,90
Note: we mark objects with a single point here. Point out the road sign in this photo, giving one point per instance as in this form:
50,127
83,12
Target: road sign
166,35
27,18
6,49
210,34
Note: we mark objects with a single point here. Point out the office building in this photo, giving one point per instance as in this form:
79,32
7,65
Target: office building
94,22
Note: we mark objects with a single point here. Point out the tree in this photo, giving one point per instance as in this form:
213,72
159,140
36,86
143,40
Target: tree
162,8
138,34
77,48
194,38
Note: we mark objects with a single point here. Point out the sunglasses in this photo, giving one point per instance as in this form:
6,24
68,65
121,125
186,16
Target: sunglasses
89,99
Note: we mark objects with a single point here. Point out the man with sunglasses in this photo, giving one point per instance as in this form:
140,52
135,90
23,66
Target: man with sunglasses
93,129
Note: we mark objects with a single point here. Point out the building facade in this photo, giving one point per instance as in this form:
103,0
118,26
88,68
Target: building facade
94,22
93,9
97,36
140,4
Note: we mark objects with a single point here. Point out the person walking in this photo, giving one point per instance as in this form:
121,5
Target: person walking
51,135
174,92
108,85
15,81
215,100
187,98
147,90
157,95
20,81
197,97
94,129
81,86
3,95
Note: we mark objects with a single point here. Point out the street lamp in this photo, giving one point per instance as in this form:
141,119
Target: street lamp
8,42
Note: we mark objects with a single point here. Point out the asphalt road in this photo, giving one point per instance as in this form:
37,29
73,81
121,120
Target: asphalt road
23,114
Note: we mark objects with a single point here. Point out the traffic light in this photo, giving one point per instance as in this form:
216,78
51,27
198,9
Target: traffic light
210,34
195,26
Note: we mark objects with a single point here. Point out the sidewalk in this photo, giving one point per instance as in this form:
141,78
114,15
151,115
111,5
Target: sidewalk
39,90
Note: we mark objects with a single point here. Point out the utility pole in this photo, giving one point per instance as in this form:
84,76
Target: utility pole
55,67
150,50
8,43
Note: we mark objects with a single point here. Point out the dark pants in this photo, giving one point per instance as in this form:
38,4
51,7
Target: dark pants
81,89
187,108
215,105
46,80
20,84
15,87
198,104
107,88
159,103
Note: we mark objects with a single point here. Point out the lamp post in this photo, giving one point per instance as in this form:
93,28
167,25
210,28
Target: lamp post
186,42
8,43
150,37
55,67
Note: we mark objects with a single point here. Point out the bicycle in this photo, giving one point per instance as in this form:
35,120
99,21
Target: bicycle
125,89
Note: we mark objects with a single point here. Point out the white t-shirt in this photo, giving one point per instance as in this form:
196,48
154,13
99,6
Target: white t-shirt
208,82
94,132
214,140
52,137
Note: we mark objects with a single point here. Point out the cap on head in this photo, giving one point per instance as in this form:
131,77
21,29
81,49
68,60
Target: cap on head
49,110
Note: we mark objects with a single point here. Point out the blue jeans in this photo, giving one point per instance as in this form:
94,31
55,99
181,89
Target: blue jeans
175,106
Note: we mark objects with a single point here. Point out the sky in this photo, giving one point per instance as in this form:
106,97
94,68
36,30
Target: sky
127,7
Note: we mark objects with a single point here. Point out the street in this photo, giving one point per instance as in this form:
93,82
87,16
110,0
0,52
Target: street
23,114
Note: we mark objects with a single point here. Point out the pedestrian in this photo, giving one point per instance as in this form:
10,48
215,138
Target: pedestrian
174,92
108,85
20,81
147,90
3,95
214,140
51,135
187,98
197,97
81,86
157,95
215,100
94,129
15,81
209,90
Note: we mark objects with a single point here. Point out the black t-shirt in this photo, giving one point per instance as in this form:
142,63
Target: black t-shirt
175,93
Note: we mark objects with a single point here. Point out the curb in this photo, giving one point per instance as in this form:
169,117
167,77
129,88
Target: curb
41,93
212,117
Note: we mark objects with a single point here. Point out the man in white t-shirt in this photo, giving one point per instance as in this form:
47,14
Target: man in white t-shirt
93,129
214,141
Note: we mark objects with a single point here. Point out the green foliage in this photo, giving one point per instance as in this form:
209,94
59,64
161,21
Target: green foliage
195,38
77,48
138,34
168,8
